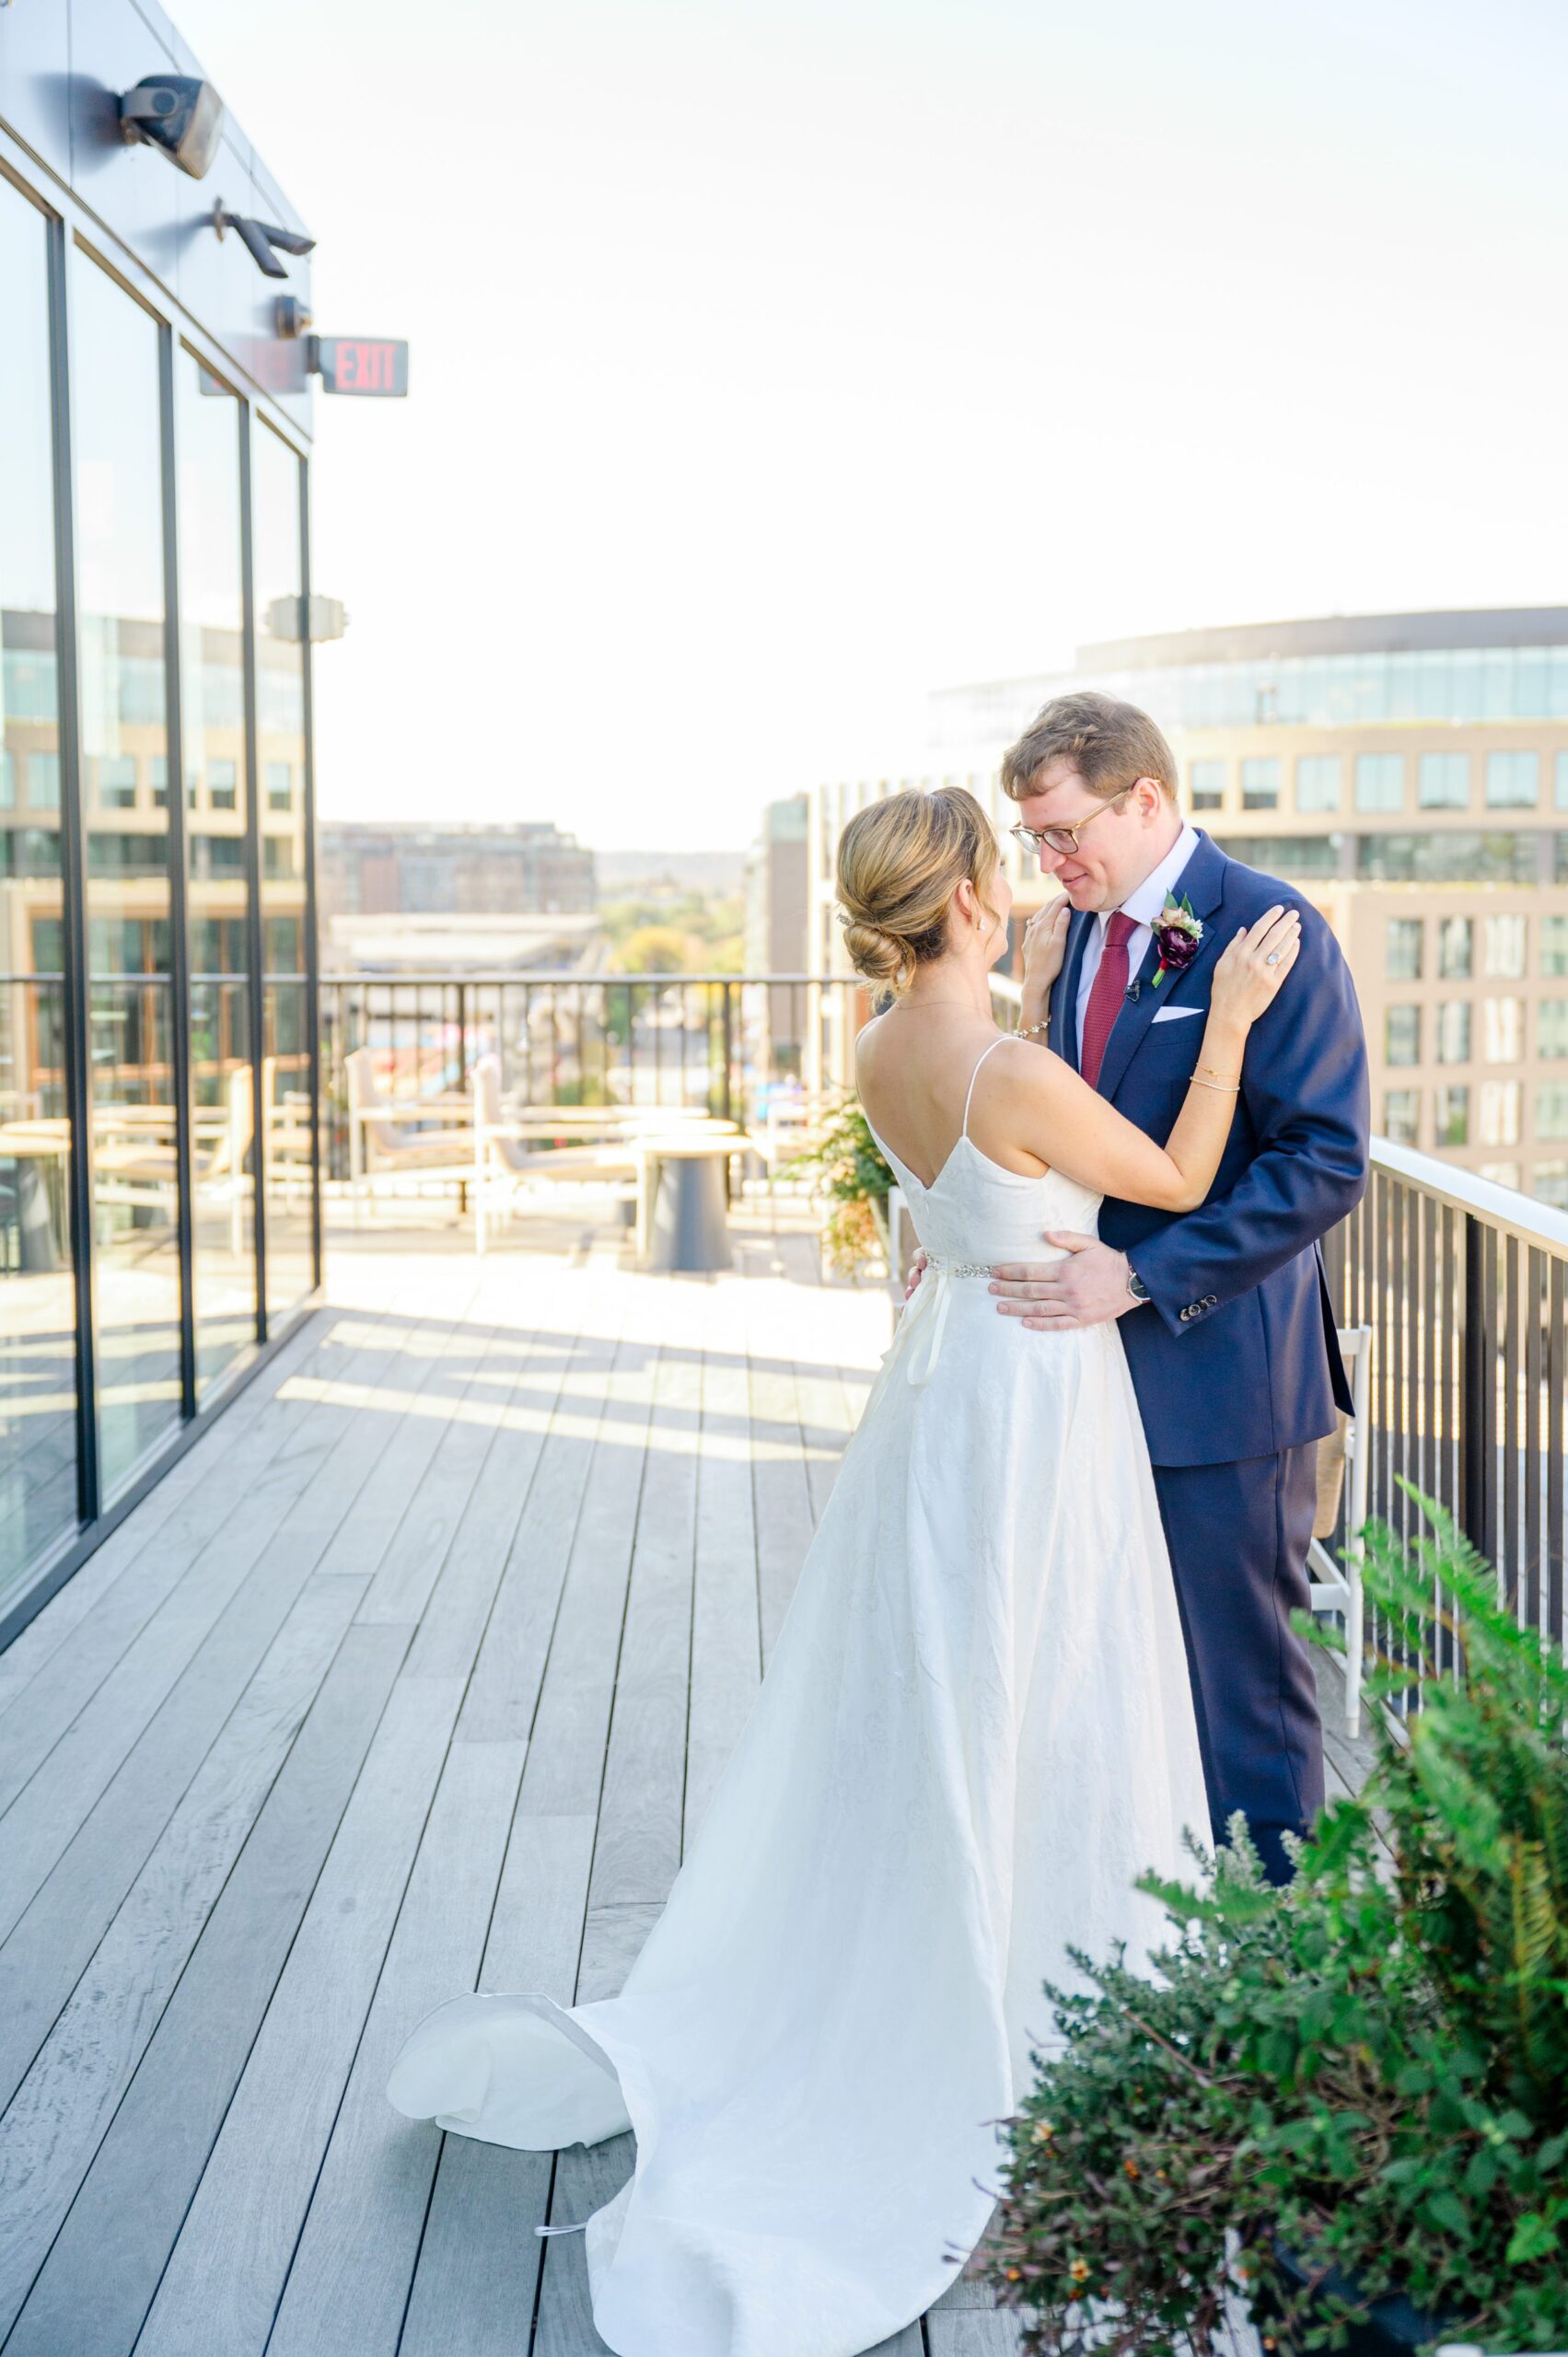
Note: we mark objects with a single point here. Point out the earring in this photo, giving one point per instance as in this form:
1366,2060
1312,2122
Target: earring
985,928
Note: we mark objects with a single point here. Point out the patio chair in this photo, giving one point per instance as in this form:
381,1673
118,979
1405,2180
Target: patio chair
1343,1473
384,1143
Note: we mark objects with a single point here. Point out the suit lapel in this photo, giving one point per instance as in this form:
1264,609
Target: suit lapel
1078,927
1202,881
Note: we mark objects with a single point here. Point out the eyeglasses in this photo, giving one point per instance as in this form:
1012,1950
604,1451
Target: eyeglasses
1065,839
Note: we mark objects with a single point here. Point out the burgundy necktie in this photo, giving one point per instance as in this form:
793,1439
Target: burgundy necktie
1106,995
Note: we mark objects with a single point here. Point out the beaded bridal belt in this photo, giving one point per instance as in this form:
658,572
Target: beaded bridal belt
928,1312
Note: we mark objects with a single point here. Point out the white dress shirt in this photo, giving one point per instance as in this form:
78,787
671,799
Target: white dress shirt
1143,906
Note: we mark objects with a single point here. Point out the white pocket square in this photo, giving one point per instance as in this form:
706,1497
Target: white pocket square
1175,1014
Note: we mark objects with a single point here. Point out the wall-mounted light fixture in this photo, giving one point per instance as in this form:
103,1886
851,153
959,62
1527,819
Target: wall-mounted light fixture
258,238
178,115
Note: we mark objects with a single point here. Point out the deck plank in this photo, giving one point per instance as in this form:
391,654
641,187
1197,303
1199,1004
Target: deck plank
68,2096
54,1937
216,1626
103,2269
160,1558
227,2271
29,1652
351,2273
488,2200
726,1634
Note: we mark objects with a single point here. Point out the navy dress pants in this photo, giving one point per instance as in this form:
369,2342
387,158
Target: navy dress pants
1238,1535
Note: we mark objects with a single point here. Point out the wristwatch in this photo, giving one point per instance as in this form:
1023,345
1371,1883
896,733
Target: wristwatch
1135,1285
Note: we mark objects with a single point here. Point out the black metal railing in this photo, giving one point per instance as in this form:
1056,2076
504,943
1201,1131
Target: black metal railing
732,1045
1463,1285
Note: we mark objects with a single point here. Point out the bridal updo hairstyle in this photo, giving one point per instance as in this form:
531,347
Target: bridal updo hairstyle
901,860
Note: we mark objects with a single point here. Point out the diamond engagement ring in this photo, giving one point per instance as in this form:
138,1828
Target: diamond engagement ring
1273,959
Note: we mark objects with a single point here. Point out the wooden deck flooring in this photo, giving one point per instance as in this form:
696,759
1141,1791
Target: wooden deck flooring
415,1674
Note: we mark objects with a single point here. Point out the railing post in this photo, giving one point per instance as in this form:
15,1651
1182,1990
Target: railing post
728,1052
1477,1385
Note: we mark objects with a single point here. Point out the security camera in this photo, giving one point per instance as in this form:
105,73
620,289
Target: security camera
177,113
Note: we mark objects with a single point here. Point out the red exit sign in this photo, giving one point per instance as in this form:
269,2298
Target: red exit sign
360,363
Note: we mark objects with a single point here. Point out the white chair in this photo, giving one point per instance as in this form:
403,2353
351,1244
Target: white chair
382,1144
1342,1466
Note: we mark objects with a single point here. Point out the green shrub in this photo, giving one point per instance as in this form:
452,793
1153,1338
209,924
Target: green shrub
850,1170
1371,2064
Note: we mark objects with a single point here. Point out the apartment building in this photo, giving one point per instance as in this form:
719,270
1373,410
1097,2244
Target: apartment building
1409,773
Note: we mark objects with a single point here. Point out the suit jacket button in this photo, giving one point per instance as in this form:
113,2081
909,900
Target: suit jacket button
1187,1313
1210,1300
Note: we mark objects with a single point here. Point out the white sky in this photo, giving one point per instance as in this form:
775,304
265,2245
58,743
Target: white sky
774,362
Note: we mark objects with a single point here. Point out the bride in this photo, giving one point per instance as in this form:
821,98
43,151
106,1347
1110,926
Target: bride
975,1730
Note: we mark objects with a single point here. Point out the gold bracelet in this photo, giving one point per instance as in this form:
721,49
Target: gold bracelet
1225,1086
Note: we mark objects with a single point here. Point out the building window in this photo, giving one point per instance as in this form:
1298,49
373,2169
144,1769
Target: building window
1206,781
1513,781
1401,955
1501,1174
1401,1036
1453,1031
280,790
1554,945
116,782
1560,786
43,781
8,779
1455,948
1448,855
1503,1030
1317,781
223,784
1552,1109
157,780
1506,947
1501,1108
1444,781
1379,780
1453,1116
1550,1184
1551,1027
1401,1115
1260,782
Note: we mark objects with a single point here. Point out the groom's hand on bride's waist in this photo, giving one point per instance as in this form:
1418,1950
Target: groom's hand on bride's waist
1085,1289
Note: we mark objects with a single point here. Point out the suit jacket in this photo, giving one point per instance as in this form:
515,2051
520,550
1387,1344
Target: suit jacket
1236,1354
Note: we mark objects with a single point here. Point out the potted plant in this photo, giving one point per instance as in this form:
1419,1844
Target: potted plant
1347,2100
848,1167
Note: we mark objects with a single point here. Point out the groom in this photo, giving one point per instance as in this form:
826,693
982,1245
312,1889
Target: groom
1224,1311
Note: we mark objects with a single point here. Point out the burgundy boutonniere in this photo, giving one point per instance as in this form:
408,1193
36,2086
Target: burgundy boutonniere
1176,936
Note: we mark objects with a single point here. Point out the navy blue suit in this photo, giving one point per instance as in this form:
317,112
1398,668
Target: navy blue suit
1234,1360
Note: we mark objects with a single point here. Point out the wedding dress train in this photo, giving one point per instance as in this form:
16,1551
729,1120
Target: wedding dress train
974,1731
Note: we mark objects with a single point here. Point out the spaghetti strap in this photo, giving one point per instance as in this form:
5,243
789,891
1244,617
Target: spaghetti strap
975,1075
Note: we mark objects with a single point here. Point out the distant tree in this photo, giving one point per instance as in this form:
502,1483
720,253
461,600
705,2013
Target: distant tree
652,950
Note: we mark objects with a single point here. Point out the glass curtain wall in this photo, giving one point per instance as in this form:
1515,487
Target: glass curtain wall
38,1499
277,509
209,430
120,506
122,885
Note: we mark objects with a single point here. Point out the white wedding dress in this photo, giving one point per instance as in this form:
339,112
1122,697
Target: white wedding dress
975,1730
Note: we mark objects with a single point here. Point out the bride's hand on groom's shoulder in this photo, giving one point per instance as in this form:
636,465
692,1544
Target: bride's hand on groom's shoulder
1045,945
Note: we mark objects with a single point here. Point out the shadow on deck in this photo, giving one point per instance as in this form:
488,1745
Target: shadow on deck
415,1674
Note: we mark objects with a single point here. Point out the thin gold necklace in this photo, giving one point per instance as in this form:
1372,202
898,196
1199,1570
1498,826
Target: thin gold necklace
908,1005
